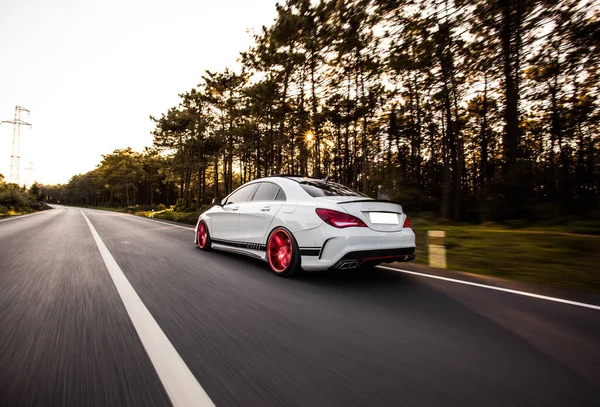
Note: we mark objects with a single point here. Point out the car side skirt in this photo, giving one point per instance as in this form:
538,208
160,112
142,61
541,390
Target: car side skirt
304,251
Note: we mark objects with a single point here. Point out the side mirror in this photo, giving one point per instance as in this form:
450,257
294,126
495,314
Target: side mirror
216,201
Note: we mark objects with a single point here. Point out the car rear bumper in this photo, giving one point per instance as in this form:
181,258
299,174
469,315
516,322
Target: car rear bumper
373,257
351,247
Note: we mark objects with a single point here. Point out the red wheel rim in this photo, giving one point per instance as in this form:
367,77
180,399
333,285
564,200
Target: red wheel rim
202,235
279,251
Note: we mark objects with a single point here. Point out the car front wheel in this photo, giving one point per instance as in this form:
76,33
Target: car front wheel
203,236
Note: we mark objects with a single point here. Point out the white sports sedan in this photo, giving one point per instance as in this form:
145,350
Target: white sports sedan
295,223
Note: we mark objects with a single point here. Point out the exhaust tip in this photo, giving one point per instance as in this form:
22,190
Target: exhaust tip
347,265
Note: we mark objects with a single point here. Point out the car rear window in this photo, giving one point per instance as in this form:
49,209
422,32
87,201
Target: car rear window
316,188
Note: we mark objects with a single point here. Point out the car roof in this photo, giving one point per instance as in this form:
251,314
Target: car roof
294,177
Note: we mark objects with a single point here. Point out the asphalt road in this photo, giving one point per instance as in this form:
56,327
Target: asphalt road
252,339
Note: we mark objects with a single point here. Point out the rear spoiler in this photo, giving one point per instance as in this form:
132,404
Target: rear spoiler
369,200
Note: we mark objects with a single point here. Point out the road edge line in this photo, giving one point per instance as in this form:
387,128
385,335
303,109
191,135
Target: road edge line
491,287
24,216
151,220
179,382
162,223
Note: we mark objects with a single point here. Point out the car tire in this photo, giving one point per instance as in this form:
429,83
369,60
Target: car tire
203,237
283,254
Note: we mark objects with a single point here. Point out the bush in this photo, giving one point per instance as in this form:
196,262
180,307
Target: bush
189,217
15,200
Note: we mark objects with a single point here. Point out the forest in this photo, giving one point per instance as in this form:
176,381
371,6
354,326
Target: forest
482,110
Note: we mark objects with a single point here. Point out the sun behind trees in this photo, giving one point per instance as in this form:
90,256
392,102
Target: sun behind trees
481,110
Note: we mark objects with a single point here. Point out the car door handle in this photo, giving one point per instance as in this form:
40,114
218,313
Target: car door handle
265,208
235,208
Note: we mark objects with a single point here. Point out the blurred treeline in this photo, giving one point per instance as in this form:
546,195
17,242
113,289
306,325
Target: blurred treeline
123,178
474,110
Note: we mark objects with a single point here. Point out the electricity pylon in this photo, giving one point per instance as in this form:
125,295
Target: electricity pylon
15,151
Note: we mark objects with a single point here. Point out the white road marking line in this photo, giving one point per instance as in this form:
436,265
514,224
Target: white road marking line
22,216
151,220
182,387
162,223
491,287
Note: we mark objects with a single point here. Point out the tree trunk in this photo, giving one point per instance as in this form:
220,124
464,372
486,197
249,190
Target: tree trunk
347,170
510,54
484,142
315,120
446,187
418,136
216,176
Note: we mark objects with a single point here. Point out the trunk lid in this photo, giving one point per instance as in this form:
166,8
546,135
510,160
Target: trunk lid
380,215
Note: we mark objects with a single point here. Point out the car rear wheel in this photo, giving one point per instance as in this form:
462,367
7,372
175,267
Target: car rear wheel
283,254
203,237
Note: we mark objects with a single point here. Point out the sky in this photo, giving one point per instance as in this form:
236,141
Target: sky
92,72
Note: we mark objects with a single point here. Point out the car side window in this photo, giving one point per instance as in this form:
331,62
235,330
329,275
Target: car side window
280,195
241,195
266,192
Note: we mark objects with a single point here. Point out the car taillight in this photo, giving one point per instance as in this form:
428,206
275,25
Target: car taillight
339,219
406,223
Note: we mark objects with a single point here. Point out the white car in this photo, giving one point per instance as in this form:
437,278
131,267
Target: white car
294,223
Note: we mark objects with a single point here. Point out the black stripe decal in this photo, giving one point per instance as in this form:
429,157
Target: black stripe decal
310,251
241,245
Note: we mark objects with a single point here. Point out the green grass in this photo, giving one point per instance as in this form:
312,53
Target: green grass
553,256
168,214
5,213
8,212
